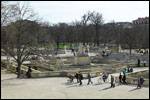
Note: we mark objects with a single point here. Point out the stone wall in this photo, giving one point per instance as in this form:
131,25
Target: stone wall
85,60
62,74
13,67
123,66
131,78
144,73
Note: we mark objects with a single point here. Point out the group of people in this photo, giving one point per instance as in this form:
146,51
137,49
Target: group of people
122,79
138,65
104,54
79,78
129,70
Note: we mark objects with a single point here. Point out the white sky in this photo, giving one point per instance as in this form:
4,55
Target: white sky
68,11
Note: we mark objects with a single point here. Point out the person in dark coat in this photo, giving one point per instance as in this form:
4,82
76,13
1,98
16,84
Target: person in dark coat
112,81
138,62
29,72
80,78
77,77
128,70
120,78
16,69
131,69
124,79
104,76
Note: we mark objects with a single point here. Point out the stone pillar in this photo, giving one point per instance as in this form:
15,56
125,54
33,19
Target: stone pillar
65,49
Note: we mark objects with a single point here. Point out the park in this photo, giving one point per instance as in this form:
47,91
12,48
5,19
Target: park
40,60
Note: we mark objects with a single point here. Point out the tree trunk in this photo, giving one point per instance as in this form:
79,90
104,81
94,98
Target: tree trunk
8,62
130,50
96,36
57,45
19,71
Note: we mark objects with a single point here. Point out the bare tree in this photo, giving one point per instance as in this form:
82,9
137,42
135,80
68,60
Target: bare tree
6,12
97,20
128,38
18,46
84,21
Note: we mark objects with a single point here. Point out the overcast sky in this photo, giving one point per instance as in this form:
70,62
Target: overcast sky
68,11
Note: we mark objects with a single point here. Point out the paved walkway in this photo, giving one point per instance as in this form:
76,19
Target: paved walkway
58,88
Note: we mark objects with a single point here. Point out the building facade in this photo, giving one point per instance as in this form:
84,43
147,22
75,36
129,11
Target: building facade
141,21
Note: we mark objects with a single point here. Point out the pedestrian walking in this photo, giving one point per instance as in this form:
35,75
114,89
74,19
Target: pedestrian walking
120,78
89,79
77,77
144,63
141,81
80,78
138,83
124,79
112,81
105,76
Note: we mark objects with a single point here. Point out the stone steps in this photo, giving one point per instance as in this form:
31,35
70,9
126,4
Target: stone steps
3,71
